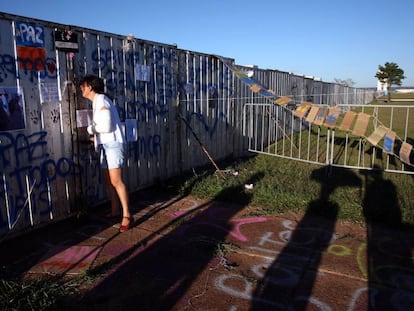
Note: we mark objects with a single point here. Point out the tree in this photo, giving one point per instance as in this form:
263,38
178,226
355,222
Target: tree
390,74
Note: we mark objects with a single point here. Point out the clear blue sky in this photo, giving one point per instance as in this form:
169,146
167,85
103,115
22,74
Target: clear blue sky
327,39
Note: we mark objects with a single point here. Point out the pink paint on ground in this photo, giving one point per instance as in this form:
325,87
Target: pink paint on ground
74,259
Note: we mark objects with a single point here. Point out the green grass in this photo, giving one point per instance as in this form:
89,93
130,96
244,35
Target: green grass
41,293
281,185
37,294
400,96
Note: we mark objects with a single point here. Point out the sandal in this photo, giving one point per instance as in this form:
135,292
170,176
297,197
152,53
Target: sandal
126,227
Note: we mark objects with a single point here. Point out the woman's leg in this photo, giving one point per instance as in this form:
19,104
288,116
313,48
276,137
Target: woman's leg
112,193
115,176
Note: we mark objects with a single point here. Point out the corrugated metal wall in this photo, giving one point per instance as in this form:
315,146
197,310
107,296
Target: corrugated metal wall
166,96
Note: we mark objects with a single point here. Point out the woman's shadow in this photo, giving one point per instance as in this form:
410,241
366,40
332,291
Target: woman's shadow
157,276
289,280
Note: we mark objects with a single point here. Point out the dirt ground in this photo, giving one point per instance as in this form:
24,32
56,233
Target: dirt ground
188,254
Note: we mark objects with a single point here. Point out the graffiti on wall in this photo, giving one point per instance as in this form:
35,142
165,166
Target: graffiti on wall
28,174
145,83
31,67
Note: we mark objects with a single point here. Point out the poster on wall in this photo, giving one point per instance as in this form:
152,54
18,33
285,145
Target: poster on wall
83,117
143,73
49,92
30,41
12,109
66,40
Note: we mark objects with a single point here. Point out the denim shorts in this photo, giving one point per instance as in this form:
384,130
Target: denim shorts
112,155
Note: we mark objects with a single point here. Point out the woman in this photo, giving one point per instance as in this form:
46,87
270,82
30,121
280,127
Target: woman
109,138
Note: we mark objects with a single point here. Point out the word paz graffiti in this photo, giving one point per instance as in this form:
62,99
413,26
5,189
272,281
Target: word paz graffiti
29,34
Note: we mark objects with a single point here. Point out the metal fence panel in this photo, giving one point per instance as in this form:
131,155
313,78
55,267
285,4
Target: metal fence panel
275,130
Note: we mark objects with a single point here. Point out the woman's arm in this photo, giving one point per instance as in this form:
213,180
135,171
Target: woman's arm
102,121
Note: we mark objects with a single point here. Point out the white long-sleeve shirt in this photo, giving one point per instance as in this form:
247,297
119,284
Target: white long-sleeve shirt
106,125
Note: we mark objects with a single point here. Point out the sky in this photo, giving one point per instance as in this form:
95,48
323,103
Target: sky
326,39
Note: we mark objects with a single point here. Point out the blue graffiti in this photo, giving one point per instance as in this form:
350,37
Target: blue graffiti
118,67
7,66
209,128
150,110
118,81
147,147
29,174
28,68
108,58
24,148
30,34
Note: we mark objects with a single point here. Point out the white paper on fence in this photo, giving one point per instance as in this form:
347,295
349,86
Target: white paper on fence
131,128
83,117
